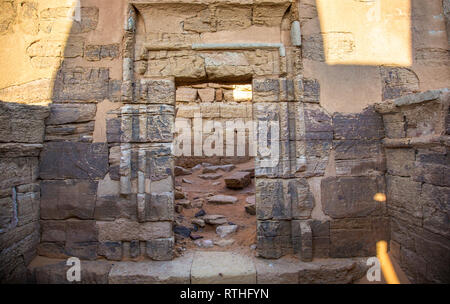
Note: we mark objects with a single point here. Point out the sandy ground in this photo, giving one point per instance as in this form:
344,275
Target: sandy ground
235,213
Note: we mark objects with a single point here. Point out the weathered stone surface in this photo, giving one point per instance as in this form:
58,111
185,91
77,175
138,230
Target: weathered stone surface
186,94
280,271
22,123
310,90
70,113
179,171
177,271
207,95
126,230
222,199
160,249
357,237
225,230
400,161
82,132
365,125
238,180
274,239
157,91
215,219
435,203
147,123
266,90
398,82
68,198
18,171
159,207
92,272
345,197
210,176
14,150
81,84
332,271
222,268
111,250
302,240
112,207
198,222
99,52
432,167
214,169
250,207
404,194
321,238
66,160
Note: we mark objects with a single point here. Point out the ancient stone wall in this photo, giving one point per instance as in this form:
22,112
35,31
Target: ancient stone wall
21,137
418,193
220,105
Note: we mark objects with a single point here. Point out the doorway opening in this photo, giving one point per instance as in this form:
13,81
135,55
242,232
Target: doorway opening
214,168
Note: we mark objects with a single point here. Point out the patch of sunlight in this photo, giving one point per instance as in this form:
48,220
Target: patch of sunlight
366,32
242,92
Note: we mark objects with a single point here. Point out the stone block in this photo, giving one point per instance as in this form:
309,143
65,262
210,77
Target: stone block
74,160
222,268
149,123
157,91
82,132
186,95
365,125
357,237
273,239
67,199
160,249
111,250
435,203
177,271
126,230
302,240
92,272
432,167
266,90
207,94
238,180
112,207
99,52
159,207
81,84
404,194
70,113
400,161
346,197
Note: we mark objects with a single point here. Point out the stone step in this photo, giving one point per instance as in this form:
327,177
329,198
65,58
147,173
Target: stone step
204,267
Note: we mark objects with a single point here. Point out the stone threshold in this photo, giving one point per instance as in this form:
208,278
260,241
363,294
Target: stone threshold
203,267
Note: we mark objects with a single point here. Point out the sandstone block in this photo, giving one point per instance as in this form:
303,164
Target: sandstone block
68,198
160,249
222,199
66,160
238,180
222,268
186,94
345,197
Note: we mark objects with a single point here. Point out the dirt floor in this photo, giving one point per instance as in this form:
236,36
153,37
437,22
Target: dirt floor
200,189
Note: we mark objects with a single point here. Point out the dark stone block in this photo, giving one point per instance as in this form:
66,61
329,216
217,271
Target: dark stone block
274,239
111,250
311,90
82,250
160,249
112,207
365,125
74,160
345,197
135,249
113,130
81,84
68,198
